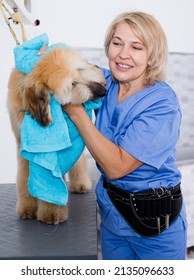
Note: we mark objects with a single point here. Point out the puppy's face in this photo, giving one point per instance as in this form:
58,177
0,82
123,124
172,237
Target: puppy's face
81,85
66,74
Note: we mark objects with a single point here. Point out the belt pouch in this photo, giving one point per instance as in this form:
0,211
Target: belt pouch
147,213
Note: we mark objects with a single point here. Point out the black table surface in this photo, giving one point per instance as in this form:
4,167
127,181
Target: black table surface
30,239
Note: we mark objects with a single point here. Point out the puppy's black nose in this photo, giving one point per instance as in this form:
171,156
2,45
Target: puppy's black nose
97,89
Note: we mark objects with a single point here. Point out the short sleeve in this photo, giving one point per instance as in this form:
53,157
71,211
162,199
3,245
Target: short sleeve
152,135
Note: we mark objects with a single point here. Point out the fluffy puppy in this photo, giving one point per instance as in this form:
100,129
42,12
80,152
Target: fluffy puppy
72,79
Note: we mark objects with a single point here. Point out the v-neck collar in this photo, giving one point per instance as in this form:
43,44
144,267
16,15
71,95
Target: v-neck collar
115,109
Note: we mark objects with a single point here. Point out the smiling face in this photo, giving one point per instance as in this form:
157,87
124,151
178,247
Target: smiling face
128,57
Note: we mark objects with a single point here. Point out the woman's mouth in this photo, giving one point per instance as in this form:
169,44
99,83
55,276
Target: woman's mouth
123,66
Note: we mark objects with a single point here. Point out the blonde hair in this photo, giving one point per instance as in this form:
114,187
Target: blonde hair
150,32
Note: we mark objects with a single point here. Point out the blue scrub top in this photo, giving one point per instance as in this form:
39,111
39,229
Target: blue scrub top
147,126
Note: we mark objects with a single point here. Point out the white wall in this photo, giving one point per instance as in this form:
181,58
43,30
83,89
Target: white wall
83,23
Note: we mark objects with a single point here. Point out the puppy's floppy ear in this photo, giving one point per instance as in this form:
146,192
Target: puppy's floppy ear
37,103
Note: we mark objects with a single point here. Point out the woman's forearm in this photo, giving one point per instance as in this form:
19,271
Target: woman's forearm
114,161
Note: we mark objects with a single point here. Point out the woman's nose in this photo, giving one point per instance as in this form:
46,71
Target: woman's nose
125,53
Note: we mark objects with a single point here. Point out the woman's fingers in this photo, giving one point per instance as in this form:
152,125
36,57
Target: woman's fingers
42,50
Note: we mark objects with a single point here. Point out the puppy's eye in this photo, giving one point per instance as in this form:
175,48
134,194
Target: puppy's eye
74,84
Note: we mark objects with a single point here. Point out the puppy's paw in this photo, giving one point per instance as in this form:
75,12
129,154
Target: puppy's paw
51,214
26,211
80,186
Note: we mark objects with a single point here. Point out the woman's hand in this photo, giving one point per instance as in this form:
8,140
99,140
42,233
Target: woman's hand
42,50
73,111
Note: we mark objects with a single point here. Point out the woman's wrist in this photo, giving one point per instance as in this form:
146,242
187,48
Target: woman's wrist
75,112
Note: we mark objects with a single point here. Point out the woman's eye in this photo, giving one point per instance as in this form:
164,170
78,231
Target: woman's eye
116,43
137,48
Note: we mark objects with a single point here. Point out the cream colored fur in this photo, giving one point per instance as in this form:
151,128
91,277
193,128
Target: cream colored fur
72,79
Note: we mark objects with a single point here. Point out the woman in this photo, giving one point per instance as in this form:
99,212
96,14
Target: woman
133,143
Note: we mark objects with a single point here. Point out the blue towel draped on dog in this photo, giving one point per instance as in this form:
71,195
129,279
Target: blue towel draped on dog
53,150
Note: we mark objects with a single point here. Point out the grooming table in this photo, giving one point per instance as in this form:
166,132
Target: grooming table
30,239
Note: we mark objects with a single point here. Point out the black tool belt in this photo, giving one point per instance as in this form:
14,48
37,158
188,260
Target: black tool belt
148,213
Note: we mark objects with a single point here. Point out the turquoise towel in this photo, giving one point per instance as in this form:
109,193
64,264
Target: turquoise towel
53,150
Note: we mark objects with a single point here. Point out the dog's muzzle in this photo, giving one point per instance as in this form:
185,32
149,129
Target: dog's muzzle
98,90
